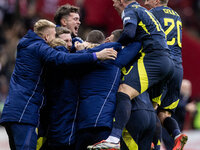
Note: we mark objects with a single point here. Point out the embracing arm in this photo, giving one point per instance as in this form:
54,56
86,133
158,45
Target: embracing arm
51,55
128,34
127,54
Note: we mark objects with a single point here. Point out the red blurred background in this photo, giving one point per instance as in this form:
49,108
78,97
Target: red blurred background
17,16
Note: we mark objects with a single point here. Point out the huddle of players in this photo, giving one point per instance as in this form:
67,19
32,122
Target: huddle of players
158,70
81,99
21,111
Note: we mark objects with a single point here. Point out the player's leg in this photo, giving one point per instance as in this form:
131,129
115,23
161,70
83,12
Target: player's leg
145,70
156,101
167,140
157,135
147,137
141,127
42,129
134,129
136,80
90,136
171,125
21,136
122,114
127,142
41,143
168,106
123,111
10,137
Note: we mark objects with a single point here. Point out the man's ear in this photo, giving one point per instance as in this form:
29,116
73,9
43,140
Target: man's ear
121,3
45,37
63,22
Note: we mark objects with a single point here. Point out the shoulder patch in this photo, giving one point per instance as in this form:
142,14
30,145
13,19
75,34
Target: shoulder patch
126,18
135,6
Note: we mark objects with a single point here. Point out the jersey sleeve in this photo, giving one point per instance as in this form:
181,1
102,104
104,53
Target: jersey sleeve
127,54
129,16
130,20
117,46
49,54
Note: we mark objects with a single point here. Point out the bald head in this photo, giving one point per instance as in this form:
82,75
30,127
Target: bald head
186,88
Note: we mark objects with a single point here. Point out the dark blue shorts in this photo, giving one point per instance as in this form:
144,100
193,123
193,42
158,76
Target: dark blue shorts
140,127
21,136
151,70
171,95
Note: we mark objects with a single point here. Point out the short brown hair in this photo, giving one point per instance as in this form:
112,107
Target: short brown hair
42,25
61,30
65,10
95,36
164,1
116,34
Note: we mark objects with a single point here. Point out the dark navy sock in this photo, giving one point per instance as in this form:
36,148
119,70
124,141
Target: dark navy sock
122,114
157,135
171,126
157,147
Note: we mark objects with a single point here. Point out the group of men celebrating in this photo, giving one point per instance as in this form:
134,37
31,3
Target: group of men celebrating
71,90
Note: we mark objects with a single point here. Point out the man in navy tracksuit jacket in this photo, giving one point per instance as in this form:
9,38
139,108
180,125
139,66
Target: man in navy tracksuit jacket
57,116
21,110
97,97
59,112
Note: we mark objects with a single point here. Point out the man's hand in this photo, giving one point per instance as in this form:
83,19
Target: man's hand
81,46
107,53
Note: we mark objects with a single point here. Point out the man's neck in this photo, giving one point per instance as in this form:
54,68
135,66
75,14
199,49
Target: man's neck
128,2
160,5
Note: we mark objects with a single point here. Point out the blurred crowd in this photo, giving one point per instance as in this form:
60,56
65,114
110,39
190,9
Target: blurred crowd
17,16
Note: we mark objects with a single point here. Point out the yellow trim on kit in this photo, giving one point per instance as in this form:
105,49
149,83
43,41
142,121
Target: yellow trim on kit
173,105
135,6
129,141
155,22
40,142
157,99
143,27
159,143
179,25
123,70
142,74
129,70
141,49
36,131
126,72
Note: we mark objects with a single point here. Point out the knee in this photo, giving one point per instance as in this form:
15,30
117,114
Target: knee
162,115
155,105
131,92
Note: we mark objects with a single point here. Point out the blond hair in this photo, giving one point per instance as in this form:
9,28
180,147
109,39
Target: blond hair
57,42
41,25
